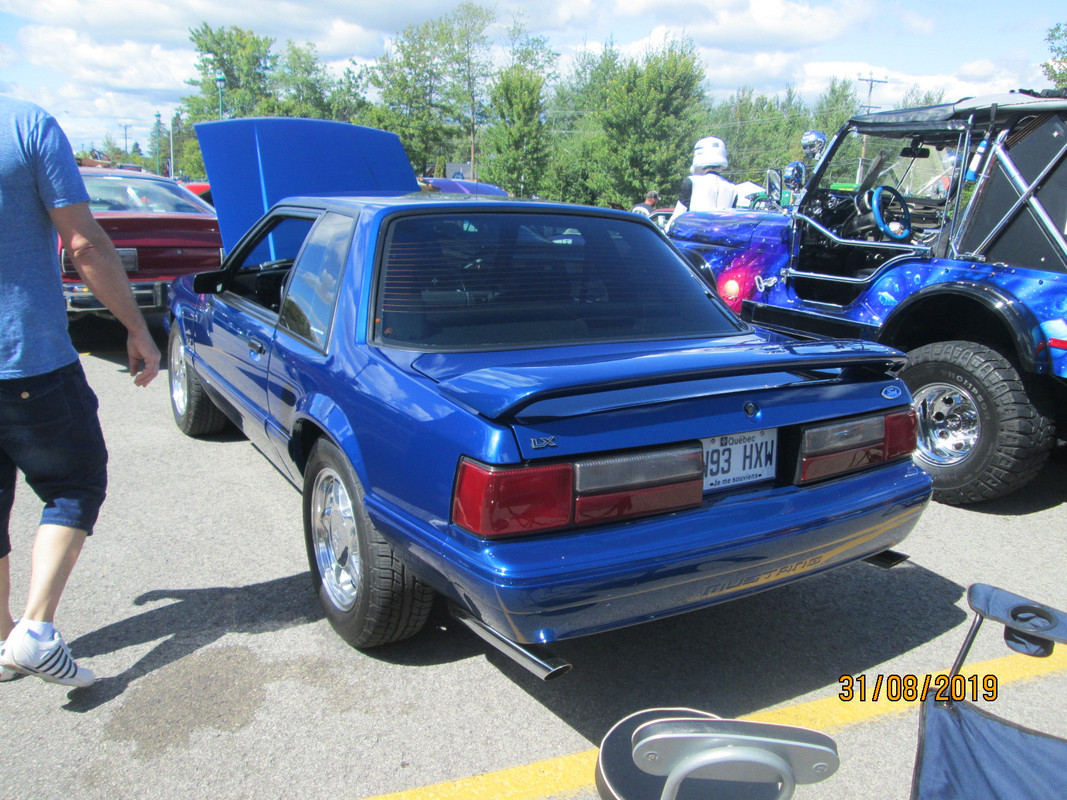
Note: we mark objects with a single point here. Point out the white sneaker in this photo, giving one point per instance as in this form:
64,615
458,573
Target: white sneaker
49,660
6,673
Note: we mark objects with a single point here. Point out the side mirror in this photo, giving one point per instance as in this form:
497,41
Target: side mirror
209,282
774,186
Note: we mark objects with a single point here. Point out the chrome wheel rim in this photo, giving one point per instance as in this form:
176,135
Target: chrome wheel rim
176,367
949,425
333,530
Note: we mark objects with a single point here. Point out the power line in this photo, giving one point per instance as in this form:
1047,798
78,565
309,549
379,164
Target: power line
870,80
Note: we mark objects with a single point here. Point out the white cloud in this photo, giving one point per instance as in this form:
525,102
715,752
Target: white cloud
342,40
101,62
130,65
786,25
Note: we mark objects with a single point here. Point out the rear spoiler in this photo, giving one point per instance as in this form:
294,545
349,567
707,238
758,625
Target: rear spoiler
503,392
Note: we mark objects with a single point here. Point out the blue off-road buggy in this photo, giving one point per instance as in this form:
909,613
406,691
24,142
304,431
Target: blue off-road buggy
965,753
941,231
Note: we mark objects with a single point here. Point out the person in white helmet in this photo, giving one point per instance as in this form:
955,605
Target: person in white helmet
705,189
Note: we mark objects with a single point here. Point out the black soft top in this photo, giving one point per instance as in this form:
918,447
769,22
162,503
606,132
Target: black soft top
952,115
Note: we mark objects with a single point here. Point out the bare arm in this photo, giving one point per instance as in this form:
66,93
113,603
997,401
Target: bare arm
98,264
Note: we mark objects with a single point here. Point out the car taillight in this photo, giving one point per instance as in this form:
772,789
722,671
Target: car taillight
508,501
845,446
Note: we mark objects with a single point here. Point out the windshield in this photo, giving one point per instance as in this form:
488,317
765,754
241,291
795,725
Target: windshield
119,193
913,167
484,280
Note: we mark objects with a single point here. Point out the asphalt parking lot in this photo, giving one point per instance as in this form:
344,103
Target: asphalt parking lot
220,678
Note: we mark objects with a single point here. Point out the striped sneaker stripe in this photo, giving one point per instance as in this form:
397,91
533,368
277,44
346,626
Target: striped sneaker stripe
58,664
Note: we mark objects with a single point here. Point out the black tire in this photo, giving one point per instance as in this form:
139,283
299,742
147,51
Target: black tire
369,596
981,435
194,412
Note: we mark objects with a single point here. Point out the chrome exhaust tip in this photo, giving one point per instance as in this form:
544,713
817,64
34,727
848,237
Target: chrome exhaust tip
535,658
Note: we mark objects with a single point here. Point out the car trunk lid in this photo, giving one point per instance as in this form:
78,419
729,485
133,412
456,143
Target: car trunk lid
629,398
167,245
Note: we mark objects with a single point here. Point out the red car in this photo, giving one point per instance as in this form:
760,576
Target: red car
160,229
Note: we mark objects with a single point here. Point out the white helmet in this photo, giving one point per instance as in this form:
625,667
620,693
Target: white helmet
710,152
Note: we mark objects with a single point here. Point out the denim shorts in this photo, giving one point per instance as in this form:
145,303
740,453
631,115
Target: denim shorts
50,431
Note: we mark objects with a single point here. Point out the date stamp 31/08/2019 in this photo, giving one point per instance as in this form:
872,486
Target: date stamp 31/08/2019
909,688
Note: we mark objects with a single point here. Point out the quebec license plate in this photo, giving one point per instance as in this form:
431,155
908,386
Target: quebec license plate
739,458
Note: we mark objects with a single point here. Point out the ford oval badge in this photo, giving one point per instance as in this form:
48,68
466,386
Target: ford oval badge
891,392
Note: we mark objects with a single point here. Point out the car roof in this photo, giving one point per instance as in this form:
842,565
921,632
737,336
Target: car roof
427,201
105,172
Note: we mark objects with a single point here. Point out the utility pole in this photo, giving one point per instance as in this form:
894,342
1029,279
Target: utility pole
870,80
125,136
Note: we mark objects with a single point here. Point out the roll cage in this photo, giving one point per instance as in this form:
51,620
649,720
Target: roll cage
1004,200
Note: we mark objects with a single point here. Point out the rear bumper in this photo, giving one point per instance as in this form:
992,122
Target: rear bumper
553,587
150,296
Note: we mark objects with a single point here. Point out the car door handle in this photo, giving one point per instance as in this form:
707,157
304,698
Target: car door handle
257,347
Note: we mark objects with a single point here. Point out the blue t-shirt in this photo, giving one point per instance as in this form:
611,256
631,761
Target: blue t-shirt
37,173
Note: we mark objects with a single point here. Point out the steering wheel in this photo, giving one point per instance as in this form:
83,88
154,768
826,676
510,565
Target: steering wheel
891,196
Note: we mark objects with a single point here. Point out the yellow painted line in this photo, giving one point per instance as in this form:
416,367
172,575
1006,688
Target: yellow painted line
573,774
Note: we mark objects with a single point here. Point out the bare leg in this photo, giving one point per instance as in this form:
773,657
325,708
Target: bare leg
35,647
6,622
55,551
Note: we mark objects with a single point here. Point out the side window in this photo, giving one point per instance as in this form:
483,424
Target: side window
309,300
261,272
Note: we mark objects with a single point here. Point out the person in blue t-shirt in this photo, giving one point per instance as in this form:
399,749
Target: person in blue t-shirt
48,422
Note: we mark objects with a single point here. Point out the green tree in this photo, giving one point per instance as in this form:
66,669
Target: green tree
578,142
348,98
1055,68
111,149
655,109
915,97
246,63
838,103
516,143
532,52
417,102
159,147
300,86
760,131
184,134
470,66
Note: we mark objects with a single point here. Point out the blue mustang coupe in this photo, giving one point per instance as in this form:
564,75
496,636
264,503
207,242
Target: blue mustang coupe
538,411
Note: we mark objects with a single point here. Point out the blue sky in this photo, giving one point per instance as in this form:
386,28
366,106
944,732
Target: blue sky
106,66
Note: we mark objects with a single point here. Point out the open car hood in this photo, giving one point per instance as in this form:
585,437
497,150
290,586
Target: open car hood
254,163
499,388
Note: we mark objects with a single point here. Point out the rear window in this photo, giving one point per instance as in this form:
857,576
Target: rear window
513,280
119,193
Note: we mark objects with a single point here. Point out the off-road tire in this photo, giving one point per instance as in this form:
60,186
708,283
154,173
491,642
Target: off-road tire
1012,436
369,595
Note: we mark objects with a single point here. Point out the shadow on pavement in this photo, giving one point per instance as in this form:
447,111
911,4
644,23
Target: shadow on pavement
752,653
196,619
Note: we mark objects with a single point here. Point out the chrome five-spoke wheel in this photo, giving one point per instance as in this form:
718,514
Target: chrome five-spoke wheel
336,540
